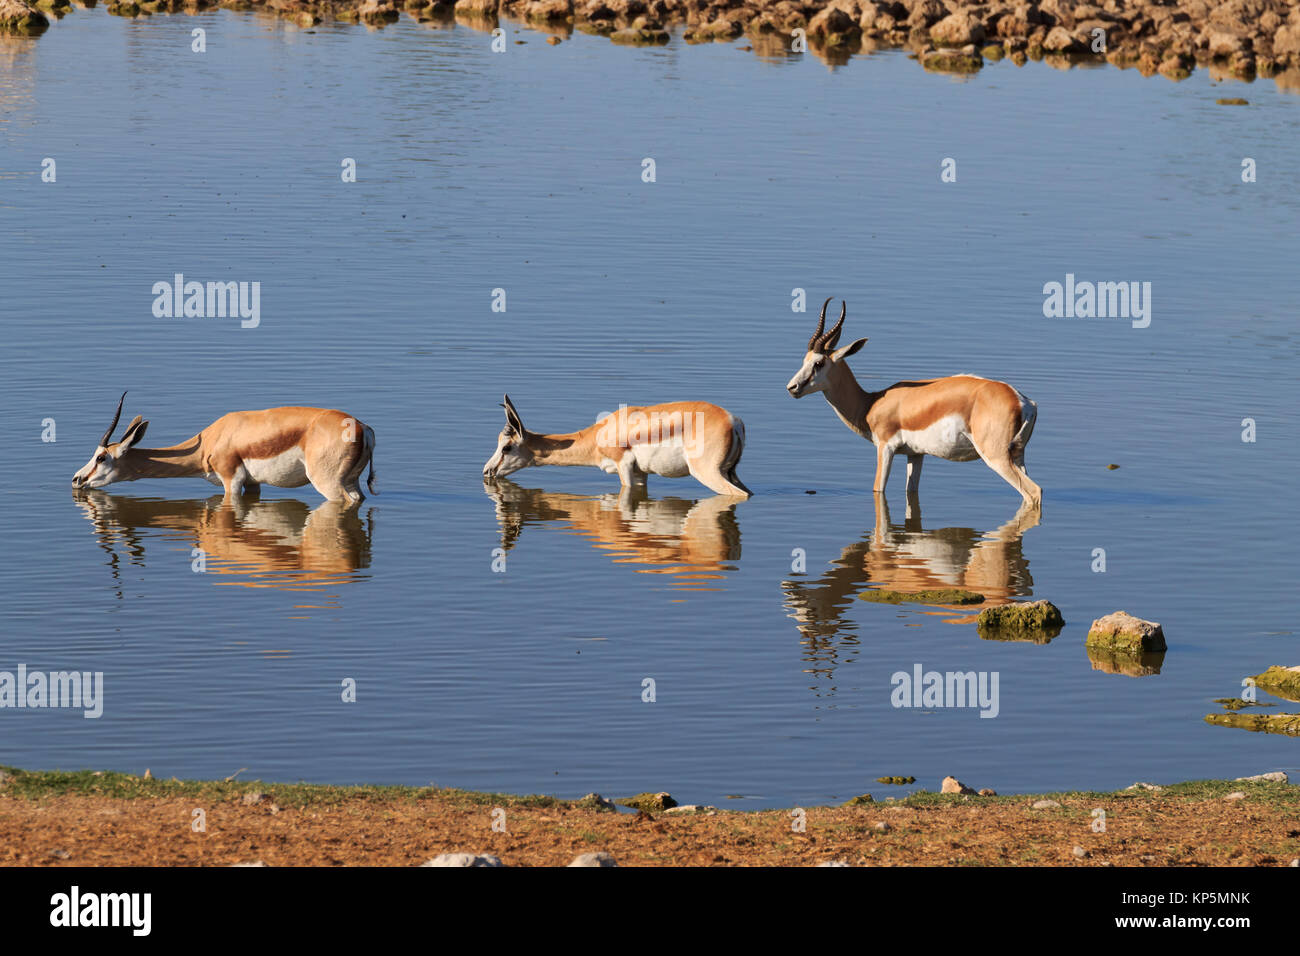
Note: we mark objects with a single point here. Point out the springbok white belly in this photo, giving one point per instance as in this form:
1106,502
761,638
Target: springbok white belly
946,438
667,457
285,470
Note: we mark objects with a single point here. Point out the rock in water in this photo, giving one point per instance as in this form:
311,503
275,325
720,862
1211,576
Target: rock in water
1280,681
1122,631
1009,621
1288,724
18,16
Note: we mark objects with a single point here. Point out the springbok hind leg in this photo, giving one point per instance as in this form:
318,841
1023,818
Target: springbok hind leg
711,477
332,489
1015,476
914,474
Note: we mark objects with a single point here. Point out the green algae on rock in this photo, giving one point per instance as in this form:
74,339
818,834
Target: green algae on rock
933,596
649,802
1288,724
1236,703
1121,631
1280,682
953,61
1037,621
635,37
20,17
859,801
896,781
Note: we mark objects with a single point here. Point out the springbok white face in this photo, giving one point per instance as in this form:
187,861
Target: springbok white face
105,465
512,451
819,362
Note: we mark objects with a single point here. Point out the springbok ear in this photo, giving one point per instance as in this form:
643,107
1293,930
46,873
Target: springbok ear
512,416
848,350
134,432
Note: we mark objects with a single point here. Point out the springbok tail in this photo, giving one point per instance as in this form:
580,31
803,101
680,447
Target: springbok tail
370,479
1028,415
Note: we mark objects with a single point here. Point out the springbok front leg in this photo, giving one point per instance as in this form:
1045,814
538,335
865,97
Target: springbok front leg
629,474
884,460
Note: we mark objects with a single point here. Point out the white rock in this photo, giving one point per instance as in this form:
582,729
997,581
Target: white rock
1153,787
834,863
1080,853
883,827
595,859
1235,795
254,863
463,859
1274,776
953,785
1045,804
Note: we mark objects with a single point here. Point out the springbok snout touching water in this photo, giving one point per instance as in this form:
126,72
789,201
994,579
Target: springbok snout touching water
961,417
673,440
286,447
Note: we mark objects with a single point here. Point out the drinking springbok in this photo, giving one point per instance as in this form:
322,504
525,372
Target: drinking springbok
961,417
286,447
672,440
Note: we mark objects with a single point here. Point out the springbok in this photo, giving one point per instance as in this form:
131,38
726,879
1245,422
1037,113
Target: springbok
671,440
961,417
286,447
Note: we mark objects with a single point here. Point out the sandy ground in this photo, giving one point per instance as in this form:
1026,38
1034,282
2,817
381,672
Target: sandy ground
53,820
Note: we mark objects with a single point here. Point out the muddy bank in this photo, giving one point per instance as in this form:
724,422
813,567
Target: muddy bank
1237,38
95,819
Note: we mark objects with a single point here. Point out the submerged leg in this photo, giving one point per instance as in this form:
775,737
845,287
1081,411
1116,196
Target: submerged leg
914,474
884,460
711,477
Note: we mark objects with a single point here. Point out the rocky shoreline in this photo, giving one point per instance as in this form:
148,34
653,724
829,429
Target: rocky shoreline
1238,38
102,818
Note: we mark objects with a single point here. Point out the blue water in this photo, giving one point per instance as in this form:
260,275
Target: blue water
522,171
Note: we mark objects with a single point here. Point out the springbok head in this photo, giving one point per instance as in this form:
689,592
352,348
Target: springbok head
512,451
821,363
106,465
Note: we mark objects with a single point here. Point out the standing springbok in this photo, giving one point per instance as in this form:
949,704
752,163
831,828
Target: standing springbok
672,440
961,417
286,447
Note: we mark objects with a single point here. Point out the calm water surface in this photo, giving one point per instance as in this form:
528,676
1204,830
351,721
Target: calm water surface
522,171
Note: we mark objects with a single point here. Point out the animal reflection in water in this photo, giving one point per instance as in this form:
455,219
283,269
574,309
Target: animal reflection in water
249,542
693,542
905,557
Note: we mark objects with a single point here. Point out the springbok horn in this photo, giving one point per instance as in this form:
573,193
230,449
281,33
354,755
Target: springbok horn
833,336
821,323
108,435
